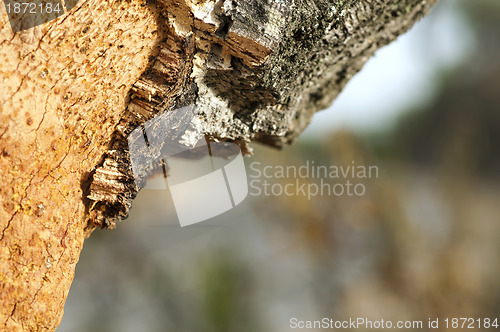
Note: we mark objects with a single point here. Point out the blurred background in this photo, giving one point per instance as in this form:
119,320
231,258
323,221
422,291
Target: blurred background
422,242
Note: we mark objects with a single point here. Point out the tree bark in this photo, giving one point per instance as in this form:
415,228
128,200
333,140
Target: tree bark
74,88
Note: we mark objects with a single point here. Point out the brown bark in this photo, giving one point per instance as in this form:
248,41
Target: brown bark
64,87
73,89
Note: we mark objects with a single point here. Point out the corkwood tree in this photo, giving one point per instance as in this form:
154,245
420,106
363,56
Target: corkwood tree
72,90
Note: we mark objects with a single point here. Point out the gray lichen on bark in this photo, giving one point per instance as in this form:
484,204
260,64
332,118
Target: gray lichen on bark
256,70
315,48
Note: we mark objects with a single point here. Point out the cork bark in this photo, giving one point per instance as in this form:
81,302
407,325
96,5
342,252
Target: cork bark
72,90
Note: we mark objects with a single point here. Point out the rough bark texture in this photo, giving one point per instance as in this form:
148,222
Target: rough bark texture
63,89
74,88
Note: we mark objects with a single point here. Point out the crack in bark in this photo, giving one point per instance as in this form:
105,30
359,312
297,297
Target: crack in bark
30,183
8,225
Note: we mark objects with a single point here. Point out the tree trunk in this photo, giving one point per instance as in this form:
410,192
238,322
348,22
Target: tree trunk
74,88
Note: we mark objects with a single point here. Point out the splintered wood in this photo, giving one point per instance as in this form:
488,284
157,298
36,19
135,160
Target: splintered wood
256,71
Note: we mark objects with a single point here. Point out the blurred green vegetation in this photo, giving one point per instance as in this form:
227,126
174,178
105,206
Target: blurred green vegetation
226,294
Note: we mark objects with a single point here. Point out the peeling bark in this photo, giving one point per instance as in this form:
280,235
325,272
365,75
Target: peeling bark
73,89
258,71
